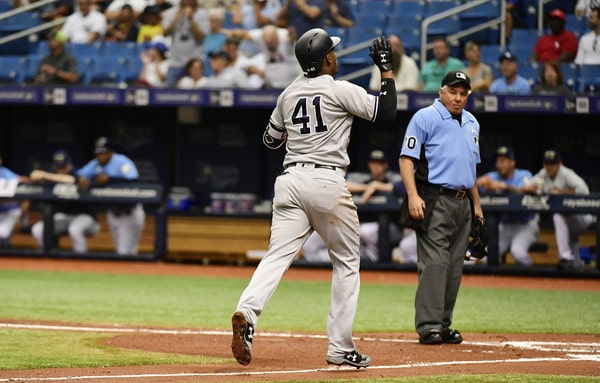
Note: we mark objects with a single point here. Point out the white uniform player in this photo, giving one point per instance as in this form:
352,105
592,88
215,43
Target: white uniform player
313,117
556,178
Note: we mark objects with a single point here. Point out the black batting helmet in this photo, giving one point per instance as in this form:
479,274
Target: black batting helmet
312,47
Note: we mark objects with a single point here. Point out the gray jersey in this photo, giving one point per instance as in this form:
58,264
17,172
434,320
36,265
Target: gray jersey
565,178
317,115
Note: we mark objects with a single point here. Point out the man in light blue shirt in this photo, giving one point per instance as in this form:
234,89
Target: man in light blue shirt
125,221
510,82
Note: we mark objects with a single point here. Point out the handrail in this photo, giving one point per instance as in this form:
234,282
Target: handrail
25,8
32,30
454,11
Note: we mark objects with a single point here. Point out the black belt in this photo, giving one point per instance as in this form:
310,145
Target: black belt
317,166
458,194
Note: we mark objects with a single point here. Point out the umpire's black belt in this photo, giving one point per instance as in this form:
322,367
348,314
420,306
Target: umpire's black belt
310,164
458,194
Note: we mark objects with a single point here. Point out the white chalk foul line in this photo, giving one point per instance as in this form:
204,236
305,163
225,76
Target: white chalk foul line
584,352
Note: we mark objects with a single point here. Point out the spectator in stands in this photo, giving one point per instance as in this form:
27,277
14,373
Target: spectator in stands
195,75
57,9
151,28
113,10
214,40
556,178
77,220
406,71
588,52
516,231
249,70
302,15
378,183
58,67
479,72
155,65
510,82
551,80
516,16
125,27
434,70
277,47
558,45
125,221
339,14
223,75
86,25
583,7
10,210
187,25
252,14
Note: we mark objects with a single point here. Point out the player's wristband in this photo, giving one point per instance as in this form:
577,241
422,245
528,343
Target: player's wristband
387,101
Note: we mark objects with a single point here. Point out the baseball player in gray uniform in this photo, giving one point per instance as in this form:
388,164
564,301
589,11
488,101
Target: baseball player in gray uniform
313,117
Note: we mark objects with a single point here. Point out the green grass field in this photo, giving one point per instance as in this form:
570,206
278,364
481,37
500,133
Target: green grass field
200,303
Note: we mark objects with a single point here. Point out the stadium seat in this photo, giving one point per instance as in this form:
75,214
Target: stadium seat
408,27
106,69
361,33
20,21
378,7
588,79
11,69
121,49
412,8
32,62
530,71
81,51
490,53
576,24
570,72
487,10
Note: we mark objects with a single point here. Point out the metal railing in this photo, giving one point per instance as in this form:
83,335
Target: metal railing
32,30
454,37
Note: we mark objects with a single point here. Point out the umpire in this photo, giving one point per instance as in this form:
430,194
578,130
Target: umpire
438,163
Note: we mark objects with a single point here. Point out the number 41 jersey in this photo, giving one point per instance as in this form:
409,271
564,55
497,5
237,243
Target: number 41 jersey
317,114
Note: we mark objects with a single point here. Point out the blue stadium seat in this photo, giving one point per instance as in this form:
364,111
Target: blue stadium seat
106,69
132,69
523,37
588,79
11,69
81,51
487,10
490,53
407,27
361,33
378,7
570,72
370,20
121,49
32,63
409,8
530,71
576,24
20,21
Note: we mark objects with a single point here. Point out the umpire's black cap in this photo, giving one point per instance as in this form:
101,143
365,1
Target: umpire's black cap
456,77
102,145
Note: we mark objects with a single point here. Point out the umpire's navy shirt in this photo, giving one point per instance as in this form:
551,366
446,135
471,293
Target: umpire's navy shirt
451,147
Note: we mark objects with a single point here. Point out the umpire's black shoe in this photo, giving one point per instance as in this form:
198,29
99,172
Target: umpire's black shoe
451,336
565,264
431,337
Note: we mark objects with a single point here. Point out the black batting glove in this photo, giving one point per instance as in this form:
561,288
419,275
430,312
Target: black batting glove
381,53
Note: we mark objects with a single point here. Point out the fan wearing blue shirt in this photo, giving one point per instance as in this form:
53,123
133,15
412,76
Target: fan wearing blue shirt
510,82
516,231
125,222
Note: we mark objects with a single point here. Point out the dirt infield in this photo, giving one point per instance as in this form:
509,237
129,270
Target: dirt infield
283,356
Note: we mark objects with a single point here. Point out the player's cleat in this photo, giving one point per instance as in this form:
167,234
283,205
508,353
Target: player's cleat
354,359
241,344
451,336
431,337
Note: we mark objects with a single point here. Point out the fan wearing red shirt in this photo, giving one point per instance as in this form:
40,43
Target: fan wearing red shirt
558,45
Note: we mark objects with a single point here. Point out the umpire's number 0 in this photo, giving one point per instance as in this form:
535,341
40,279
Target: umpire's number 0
301,115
